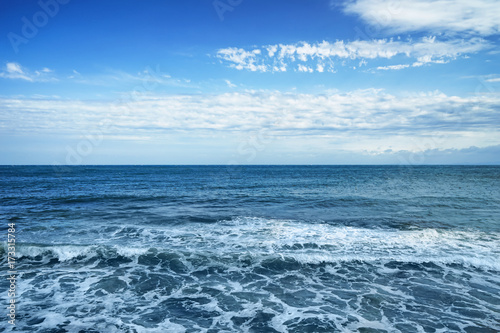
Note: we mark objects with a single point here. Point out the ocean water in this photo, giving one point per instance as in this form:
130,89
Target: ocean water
253,248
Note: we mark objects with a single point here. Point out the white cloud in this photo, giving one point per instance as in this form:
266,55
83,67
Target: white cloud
13,67
392,67
421,62
230,84
145,79
424,50
75,75
303,68
15,71
271,50
242,59
456,16
364,119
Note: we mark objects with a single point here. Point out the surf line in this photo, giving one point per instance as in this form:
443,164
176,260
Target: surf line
11,273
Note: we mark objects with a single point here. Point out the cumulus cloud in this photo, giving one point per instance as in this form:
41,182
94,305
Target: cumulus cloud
306,57
242,59
13,70
303,68
479,17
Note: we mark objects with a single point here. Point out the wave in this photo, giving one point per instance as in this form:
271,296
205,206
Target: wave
66,252
261,239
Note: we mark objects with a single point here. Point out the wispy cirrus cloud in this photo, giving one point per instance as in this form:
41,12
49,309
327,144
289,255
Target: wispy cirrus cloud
15,71
493,79
324,56
112,77
478,17
109,77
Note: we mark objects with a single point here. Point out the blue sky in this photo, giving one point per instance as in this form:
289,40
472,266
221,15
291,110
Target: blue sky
249,82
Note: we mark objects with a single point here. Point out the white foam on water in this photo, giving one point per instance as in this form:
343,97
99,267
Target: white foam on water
320,242
303,241
130,252
68,252
62,252
52,319
308,243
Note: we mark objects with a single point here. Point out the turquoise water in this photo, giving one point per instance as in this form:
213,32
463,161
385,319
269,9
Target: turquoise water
254,248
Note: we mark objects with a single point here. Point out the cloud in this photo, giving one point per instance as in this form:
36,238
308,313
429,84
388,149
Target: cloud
419,63
304,57
13,70
242,59
230,84
360,120
303,68
392,67
13,67
468,155
478,17
147,78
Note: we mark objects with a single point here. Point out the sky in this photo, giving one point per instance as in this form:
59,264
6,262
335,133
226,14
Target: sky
234,82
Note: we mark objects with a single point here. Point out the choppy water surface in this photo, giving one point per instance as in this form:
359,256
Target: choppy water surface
254,249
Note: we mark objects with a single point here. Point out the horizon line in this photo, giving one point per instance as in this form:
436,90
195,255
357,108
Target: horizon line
247,165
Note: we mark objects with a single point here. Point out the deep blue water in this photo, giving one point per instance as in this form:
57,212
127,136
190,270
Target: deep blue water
254,248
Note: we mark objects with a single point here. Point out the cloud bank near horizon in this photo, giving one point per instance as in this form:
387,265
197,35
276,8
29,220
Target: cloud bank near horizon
364,119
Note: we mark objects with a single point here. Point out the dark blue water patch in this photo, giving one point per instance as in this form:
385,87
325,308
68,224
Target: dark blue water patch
460,196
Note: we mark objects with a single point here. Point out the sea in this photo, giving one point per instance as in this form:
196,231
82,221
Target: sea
251,248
